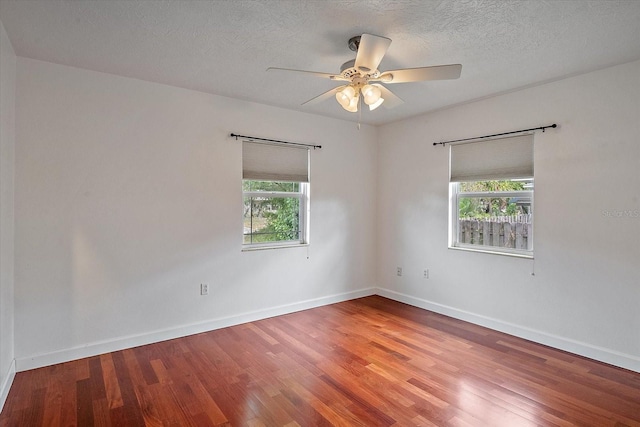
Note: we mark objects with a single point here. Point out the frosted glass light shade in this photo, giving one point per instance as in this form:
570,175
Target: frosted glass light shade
346,96
353,105
376,104
342,99
371,94
349,91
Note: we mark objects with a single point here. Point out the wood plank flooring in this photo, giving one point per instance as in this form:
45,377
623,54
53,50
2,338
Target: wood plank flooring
366,362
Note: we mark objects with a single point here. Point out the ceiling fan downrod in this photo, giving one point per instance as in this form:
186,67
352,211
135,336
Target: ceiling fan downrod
354,43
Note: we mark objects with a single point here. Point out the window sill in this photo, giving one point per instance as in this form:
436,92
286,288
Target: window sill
493,252
251,248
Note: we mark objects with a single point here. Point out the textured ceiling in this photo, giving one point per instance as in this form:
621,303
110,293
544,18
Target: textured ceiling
224,47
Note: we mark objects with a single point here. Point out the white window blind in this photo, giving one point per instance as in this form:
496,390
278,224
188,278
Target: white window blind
495,159
265,162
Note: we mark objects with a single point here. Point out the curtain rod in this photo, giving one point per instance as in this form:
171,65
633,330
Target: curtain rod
233,135
497,134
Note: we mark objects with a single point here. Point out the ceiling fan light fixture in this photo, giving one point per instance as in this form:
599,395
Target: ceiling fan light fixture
348,98
345,96
342,99
371,94
353,105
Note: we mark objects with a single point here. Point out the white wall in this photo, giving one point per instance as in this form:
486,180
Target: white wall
128,196
7,144
585,295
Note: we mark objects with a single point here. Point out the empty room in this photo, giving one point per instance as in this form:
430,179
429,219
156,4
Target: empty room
314,213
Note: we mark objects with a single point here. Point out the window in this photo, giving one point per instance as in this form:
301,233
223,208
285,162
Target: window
494,215
491,188
274,212
275,189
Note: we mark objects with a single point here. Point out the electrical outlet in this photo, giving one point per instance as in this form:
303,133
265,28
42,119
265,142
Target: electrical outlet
204,289
425,273
399,271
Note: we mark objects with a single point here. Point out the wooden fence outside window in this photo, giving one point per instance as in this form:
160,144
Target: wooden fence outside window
505,231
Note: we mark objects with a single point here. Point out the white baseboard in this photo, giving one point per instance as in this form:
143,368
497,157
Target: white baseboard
601,354
611,357
101,347
6,383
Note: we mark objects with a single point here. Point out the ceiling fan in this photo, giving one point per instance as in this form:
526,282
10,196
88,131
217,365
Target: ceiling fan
366,83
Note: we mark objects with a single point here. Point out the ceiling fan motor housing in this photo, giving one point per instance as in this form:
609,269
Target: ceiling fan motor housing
349,71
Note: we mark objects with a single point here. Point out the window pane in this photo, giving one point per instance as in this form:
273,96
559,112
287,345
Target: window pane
290,187
490,220
482,207
271,219
507,185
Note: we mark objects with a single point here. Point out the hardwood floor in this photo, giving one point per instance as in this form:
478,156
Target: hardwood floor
367,362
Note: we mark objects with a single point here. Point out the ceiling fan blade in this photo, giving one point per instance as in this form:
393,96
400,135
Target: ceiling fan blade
315,73
328,94
390,99
370,52
439,72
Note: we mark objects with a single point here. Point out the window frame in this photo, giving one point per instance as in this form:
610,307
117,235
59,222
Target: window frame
303,214
454,219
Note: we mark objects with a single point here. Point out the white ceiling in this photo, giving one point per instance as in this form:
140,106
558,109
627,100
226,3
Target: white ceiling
224,47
